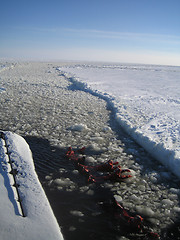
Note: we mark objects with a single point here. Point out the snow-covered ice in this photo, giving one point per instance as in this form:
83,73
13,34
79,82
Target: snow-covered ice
35,220
146,101
45,104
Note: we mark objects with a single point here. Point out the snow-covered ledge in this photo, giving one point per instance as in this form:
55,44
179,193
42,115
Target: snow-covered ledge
25,210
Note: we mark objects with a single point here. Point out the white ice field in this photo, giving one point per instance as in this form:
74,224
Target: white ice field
37,100
146,100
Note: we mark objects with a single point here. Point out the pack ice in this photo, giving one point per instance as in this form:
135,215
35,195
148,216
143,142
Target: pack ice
145,99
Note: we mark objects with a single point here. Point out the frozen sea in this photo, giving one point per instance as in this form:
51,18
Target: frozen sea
146,101
57,105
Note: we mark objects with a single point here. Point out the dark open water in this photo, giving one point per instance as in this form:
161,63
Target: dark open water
96,222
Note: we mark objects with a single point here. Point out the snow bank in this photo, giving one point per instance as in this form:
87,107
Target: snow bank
145,99
39,221
170,158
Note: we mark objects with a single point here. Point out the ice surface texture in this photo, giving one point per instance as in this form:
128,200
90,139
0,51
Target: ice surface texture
146,101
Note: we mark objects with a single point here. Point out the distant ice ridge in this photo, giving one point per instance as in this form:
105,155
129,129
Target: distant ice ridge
6,65
145,99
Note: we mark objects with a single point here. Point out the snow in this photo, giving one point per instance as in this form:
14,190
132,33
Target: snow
145,99
39,221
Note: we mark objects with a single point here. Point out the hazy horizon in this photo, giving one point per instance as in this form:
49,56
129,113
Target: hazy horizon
107,31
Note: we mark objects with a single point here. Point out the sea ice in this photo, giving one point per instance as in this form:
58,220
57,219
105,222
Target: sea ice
145,99
44,105
77,213
78,127
145,211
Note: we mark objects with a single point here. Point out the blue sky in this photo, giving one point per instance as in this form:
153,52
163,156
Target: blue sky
135,31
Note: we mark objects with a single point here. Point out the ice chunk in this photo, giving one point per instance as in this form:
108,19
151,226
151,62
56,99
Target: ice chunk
90,192
63,182
142,188
176,209
118,198
145,211
173,196
48,177
77,213
95,148
123,238
79,127
135,198
72,228
75,172
175,190
90,159
106,129
84,189
167,202
97,139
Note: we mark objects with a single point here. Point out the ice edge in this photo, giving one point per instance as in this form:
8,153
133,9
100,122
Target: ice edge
166,156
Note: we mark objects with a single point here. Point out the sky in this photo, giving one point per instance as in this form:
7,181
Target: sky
126,31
